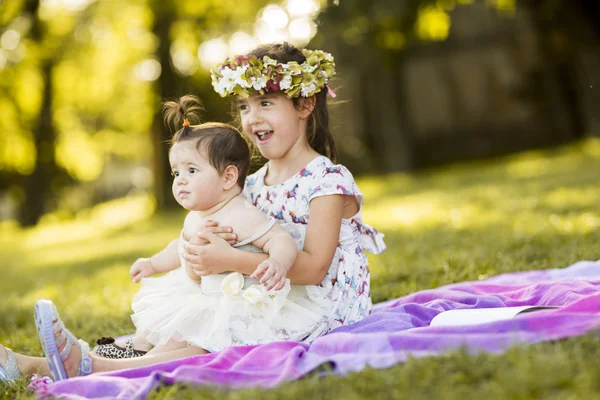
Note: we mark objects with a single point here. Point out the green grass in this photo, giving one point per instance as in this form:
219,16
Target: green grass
468,221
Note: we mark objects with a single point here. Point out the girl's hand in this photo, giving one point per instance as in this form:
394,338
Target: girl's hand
224,232
141,268
272,273
207,259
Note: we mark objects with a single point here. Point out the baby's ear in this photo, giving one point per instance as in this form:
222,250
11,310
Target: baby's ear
230,175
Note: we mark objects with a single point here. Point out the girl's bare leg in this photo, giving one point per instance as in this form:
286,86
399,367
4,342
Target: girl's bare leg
38,365
27,365
171,351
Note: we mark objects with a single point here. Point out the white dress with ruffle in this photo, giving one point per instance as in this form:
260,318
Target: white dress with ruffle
228,309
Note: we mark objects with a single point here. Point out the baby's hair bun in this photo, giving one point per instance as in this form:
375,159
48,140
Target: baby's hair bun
188,107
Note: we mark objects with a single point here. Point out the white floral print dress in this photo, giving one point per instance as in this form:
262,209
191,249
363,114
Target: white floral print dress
348,279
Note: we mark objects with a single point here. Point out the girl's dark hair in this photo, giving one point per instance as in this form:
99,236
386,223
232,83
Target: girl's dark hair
223,143
317,132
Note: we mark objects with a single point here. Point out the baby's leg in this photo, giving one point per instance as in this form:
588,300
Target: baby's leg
139,343
172,345
100,364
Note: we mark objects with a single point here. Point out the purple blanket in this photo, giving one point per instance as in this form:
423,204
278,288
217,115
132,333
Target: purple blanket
395,330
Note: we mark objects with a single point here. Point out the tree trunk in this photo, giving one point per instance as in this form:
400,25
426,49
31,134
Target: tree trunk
169,87
389,140
581,22
569,39
38,186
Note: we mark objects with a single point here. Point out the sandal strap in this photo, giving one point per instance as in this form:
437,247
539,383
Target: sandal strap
85,366
69,340
57,325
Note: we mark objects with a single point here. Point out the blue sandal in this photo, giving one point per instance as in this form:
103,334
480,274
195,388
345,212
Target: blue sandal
47,323
10,372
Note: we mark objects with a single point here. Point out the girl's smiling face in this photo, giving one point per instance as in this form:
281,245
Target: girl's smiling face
197,186
273,124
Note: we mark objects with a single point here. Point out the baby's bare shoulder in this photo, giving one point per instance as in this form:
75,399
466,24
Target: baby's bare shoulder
245,219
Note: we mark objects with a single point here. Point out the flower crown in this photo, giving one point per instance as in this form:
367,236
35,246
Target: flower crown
244,76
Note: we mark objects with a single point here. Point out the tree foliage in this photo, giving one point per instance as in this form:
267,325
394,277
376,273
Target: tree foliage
81,83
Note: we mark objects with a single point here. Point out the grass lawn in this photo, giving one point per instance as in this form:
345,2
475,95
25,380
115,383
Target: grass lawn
468,221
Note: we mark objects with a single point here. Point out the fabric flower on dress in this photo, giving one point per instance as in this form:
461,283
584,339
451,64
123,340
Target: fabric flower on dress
256,294
232,284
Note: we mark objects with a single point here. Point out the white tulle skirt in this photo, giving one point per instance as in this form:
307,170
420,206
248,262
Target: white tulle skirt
228,310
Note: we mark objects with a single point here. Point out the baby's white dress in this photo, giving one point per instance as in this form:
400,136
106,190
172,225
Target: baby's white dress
228,309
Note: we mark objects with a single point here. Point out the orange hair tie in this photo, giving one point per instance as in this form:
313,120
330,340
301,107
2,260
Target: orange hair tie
186,122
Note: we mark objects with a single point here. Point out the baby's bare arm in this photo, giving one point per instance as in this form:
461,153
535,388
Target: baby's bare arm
276,242
167,259
279,245
282,253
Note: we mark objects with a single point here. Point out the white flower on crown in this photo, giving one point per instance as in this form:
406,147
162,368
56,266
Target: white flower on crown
232,284
307,90
286,82
237,77
230,78
259,83
222,85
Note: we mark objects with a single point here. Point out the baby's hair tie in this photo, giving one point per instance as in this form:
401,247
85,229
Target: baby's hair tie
186,122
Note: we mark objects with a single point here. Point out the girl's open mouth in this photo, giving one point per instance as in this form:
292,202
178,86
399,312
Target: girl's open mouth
263,136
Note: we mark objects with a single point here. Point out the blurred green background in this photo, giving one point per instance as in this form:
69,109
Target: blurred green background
420,83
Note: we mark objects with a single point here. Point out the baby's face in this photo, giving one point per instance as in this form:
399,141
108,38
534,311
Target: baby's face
197,186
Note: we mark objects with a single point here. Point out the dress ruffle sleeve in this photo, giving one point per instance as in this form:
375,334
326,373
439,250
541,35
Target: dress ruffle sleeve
337,179
333,179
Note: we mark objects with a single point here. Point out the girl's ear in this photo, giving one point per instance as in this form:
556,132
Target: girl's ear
230,175
307,105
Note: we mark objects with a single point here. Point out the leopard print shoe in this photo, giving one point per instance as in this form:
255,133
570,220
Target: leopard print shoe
108,349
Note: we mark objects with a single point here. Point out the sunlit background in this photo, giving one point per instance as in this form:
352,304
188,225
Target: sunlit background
419,84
